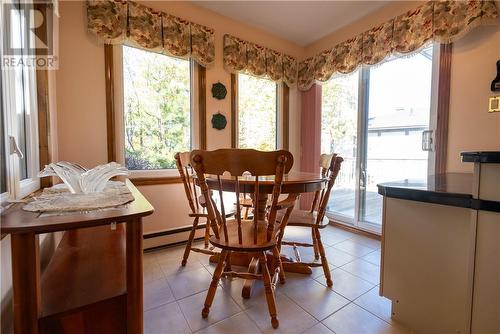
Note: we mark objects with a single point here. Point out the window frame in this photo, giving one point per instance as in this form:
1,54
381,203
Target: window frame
157,176
437,94
282,113
17,188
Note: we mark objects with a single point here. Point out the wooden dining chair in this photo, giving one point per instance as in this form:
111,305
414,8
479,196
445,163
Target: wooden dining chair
254,237
315,217
197,205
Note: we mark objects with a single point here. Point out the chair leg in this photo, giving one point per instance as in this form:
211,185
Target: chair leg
189,242
277,259
315,244
213,285
271,303
324,261
227,267
207,233
245,216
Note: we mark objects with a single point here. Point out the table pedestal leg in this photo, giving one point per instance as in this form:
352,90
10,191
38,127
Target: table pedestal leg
26,282
134,277
253,268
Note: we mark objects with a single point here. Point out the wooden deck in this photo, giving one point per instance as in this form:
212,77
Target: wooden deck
342,202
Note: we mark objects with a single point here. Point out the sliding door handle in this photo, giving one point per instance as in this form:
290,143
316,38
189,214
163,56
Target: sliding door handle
427,140
14,148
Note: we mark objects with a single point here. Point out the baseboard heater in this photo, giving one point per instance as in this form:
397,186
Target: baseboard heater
172,231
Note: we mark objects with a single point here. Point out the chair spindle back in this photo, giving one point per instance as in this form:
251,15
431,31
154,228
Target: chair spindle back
236,162
186,172
324,163
333,172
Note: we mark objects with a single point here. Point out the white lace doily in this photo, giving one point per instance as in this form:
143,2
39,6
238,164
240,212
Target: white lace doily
59,199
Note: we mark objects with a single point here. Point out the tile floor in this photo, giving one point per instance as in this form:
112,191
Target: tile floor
174,295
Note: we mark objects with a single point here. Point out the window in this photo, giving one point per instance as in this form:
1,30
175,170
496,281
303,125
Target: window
375,119
156,109
339,134
257,113
19,124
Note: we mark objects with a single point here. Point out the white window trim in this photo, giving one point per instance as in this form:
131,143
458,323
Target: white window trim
17,188
120,124
279,116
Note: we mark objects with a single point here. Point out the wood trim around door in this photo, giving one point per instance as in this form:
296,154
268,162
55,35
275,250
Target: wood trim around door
110,117
443,108
110,102
43,103
234,103
202,105
285,103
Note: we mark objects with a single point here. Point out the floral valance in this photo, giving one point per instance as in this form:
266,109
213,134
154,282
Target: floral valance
438,21
246,57
116,22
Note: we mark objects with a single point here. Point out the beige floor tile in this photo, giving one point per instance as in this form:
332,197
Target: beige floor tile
170,253
189,283
165,319
352,319
332,238
373,257
318,329
315,298
317,272
339,231
149,257
369,242
222,307
293,319
376,304
338,257
366,270
234,287
157,293
237,324
173,266
152,272
348,285
354,247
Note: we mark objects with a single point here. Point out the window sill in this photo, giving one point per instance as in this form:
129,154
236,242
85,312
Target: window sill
155,180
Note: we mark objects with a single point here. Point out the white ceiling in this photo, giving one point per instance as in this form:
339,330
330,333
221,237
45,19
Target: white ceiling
301,22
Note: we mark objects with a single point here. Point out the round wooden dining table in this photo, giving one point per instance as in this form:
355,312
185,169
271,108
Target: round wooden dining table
294,184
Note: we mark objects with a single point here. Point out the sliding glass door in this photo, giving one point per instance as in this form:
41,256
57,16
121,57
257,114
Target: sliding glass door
376,119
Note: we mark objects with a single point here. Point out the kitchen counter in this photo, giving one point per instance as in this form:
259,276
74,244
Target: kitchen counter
440,247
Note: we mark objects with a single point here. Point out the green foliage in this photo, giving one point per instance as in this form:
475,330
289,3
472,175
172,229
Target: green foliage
156,108
339,114
256,113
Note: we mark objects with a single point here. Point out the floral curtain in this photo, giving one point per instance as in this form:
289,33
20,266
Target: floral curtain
116,22
243,56
442,21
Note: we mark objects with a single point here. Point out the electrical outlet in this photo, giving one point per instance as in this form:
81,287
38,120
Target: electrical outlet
494,105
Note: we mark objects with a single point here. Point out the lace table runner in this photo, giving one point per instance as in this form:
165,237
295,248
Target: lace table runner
59,199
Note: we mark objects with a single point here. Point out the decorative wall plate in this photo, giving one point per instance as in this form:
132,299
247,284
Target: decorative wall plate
219,121
219,91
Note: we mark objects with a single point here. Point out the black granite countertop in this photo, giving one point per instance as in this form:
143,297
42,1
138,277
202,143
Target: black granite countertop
453,189
487,157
